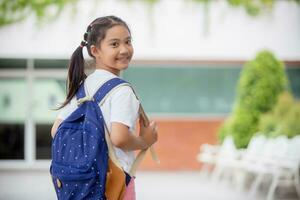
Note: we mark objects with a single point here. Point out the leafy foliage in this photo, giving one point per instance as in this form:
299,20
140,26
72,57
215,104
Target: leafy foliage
260,83
12,11
284,119
252,7
243,126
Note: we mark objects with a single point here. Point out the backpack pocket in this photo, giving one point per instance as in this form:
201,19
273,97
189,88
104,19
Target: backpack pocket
76,181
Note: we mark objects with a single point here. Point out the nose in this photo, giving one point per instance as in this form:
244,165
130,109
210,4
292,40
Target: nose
124,49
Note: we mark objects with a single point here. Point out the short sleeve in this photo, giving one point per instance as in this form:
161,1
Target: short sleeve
124,107
67,110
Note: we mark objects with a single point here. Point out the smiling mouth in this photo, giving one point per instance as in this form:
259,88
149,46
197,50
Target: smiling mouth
124,59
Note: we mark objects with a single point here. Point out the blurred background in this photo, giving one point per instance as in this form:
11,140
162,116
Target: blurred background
220,77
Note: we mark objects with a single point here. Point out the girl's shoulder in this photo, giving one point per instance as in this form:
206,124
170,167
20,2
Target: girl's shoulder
124,92
67,109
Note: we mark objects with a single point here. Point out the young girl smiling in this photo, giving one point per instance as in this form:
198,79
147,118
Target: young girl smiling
108,42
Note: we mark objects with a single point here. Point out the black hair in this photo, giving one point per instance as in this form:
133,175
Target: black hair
94,34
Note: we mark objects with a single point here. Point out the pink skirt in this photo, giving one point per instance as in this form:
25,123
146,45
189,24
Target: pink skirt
130,190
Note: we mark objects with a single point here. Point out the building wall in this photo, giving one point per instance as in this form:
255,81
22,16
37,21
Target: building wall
171,29
179,143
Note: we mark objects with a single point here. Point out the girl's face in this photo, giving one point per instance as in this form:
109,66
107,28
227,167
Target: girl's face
115,51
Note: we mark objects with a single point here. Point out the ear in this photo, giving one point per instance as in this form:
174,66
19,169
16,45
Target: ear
95,51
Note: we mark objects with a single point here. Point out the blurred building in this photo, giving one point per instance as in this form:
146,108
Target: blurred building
185,70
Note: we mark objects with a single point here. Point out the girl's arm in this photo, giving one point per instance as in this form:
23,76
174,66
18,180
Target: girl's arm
55,126
123,139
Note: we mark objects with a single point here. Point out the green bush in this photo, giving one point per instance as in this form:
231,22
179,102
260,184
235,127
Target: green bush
260,83
291,124
284,119
268,125
224,130
283,106
243,126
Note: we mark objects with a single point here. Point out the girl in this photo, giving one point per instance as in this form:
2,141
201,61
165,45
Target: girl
108,42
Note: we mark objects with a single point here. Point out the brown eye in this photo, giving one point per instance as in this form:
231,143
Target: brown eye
128,42
114,44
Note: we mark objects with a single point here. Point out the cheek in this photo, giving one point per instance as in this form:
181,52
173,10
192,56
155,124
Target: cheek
131,50
111,56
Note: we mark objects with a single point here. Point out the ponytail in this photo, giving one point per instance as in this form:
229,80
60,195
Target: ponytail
76,74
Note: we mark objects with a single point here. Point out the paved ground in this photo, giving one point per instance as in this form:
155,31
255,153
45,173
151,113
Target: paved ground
36,185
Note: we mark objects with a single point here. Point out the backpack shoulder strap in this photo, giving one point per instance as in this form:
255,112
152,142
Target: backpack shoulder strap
99,97
80,92
109,86
102,93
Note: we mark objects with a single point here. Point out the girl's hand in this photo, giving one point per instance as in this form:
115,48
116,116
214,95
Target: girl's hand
148,134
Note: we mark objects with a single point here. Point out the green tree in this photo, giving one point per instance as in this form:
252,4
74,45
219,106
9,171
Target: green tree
260,83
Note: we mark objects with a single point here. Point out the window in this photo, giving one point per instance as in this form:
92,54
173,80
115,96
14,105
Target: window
12,63
11,141
12,117
48,93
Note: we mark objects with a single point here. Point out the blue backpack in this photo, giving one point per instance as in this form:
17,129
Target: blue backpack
79,149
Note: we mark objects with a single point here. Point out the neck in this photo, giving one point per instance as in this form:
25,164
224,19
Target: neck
114,71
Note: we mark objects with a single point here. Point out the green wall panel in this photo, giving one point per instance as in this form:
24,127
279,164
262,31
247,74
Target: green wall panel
191,89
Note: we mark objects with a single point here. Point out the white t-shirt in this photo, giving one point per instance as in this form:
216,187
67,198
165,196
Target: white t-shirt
120,106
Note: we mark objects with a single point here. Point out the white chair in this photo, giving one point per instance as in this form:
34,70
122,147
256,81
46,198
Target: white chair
253,153
268,163
288,169
249,158
226,160
207,157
